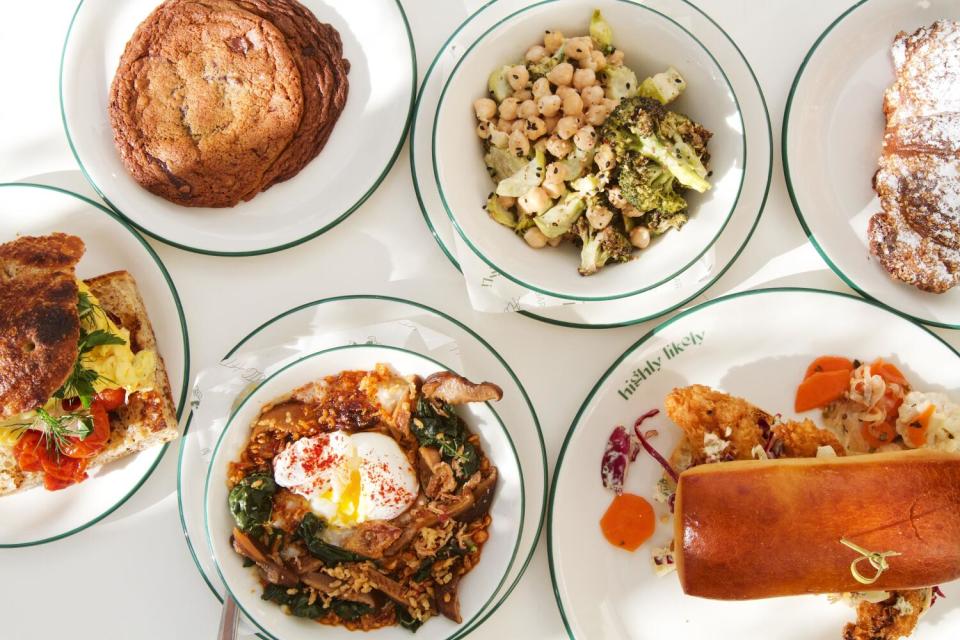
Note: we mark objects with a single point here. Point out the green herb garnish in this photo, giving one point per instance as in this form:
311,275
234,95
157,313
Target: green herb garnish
251,501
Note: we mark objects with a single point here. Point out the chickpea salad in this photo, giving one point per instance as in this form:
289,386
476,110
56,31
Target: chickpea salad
581,151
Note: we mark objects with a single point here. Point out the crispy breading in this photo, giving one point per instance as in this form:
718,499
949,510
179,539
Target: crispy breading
886,620
39,325
699,410
801,439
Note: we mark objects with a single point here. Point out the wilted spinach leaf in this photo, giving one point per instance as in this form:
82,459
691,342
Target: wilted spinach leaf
348,610
310,529
298,602
406,620
251,501
437,425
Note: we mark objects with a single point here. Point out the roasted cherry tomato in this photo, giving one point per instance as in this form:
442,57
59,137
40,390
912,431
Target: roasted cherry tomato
27,451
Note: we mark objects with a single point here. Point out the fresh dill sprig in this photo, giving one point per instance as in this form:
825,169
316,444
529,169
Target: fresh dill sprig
59,428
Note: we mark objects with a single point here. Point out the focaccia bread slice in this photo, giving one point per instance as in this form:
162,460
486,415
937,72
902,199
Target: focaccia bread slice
149,418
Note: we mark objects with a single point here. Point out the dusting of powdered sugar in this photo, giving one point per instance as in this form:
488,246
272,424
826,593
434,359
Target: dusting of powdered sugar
917,237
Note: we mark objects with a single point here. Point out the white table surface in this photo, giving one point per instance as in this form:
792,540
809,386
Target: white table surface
131,576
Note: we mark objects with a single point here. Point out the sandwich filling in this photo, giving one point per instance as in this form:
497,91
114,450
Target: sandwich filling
59,437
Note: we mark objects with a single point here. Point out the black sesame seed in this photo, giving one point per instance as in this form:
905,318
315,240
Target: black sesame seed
678,80
628,85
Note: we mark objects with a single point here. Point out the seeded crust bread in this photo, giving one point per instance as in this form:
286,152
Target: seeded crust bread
917,236
206,97
149,418
39,326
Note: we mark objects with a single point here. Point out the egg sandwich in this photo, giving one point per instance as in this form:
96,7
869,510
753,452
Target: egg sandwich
81,381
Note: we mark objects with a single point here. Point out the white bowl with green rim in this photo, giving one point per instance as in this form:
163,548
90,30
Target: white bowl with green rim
352,164
477,588
464,184
37,516
833,129
755,345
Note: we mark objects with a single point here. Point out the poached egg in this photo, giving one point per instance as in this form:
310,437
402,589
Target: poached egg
349,478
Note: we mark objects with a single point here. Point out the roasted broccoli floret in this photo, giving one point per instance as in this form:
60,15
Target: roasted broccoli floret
642,125
664,87
600,247
659,222
648,186
621,82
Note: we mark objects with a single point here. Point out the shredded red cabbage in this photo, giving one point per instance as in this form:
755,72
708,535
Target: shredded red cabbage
937,593
649,447
619,452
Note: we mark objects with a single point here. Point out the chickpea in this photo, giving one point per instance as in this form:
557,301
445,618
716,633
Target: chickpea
604,158
552,41
640,237
535,127
518,77
562,74
527,109
567,127
541,87
563,92
520,96
591,96
499,139
555,242
558,147
597,61
508,108
572,104
485,108
556,171
483,129
551,122
615,58
518,144
505,125
631,211
596,114
534,201
541,145
610,104
548,106
518,125
578,48
583,78
554,188
599,217
616,198
585,138
536,53
535,238
506,201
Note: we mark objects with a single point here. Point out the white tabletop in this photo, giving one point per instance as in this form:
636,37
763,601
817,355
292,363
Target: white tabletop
131,576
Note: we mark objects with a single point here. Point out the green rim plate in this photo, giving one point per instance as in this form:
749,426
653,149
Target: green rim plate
186,356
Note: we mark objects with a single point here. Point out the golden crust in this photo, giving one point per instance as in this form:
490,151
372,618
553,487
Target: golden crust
802,439
699,410
39,325
884,620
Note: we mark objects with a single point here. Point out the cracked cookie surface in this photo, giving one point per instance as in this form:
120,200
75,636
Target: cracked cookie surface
206,98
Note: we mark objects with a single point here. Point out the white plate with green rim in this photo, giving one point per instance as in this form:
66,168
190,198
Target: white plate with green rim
755,345
477,587
354,161
832,134
37,516
652,42
381,317
703,272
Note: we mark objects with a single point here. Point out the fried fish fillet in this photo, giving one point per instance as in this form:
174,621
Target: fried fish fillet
917,235
39,326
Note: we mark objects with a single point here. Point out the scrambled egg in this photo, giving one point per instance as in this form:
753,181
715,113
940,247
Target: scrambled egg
116,364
